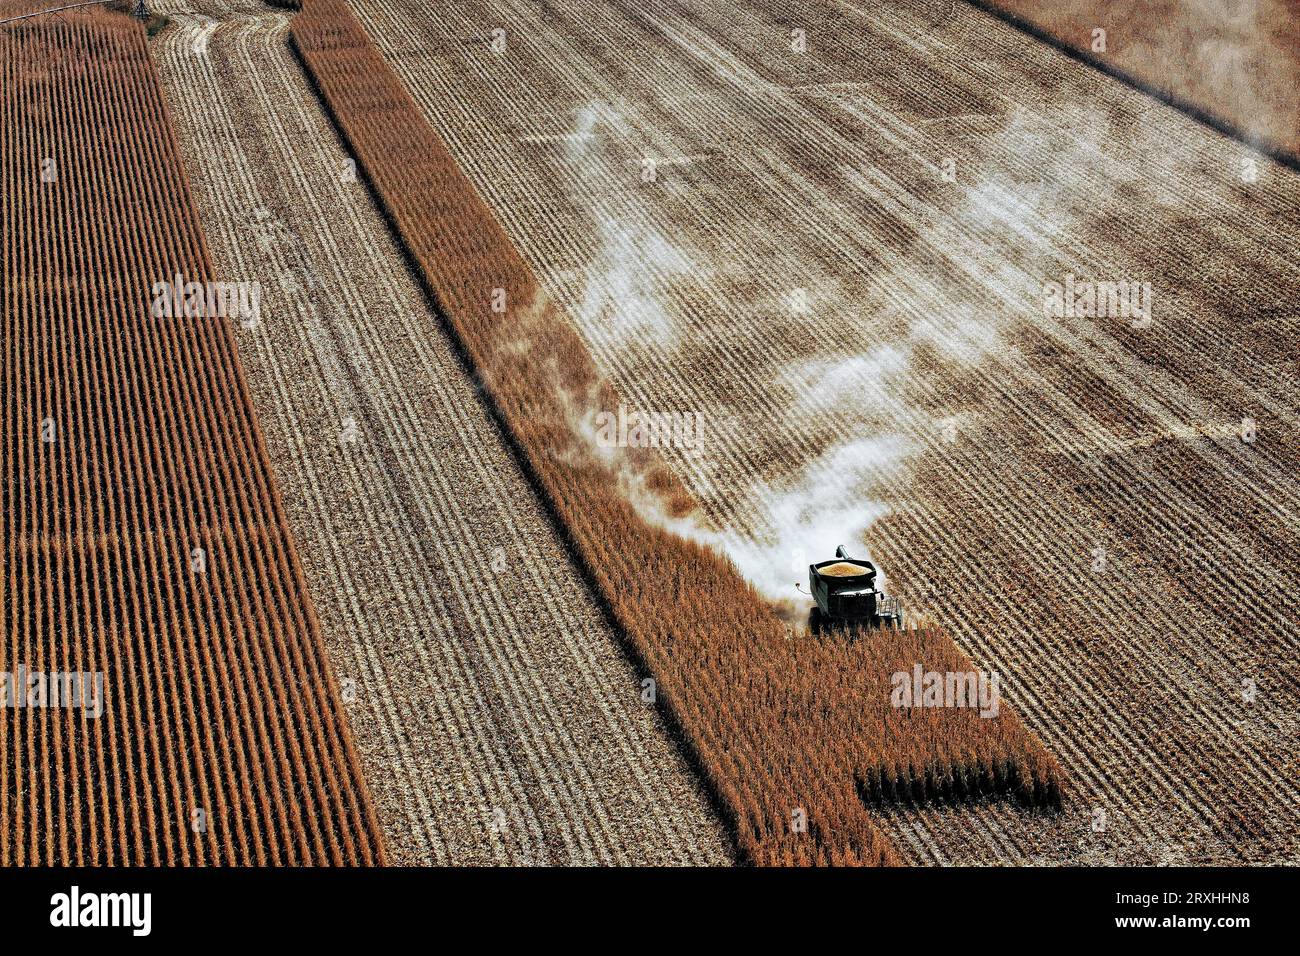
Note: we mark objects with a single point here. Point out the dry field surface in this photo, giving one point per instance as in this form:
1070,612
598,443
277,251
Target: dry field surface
1239,60
1072,497
142,538
796,737
497,717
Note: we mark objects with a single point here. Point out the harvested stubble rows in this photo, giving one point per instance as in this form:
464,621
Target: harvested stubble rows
128,443
1066,482
777,725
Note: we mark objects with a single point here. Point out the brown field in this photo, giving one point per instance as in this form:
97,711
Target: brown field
143,535
1240,62
497,718
797,737
628,311
1052,487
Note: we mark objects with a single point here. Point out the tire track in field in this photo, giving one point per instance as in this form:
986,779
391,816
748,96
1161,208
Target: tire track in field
344,380
674,81
595,776
236,212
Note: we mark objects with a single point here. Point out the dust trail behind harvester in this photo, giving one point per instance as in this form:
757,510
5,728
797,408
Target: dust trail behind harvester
861,411
865,416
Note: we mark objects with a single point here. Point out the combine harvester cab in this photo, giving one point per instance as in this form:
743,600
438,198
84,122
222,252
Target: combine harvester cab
846,594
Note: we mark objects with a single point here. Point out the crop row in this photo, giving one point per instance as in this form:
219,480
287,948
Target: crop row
144,545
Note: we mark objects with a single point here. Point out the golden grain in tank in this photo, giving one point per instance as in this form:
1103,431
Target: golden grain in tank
843,569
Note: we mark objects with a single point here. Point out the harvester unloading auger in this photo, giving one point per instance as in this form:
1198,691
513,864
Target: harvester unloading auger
846,593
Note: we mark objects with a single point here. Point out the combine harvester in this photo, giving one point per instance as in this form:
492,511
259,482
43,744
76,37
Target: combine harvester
846,595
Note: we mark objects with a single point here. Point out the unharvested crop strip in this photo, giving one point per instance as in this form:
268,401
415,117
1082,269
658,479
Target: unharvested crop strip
796,736
143,536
